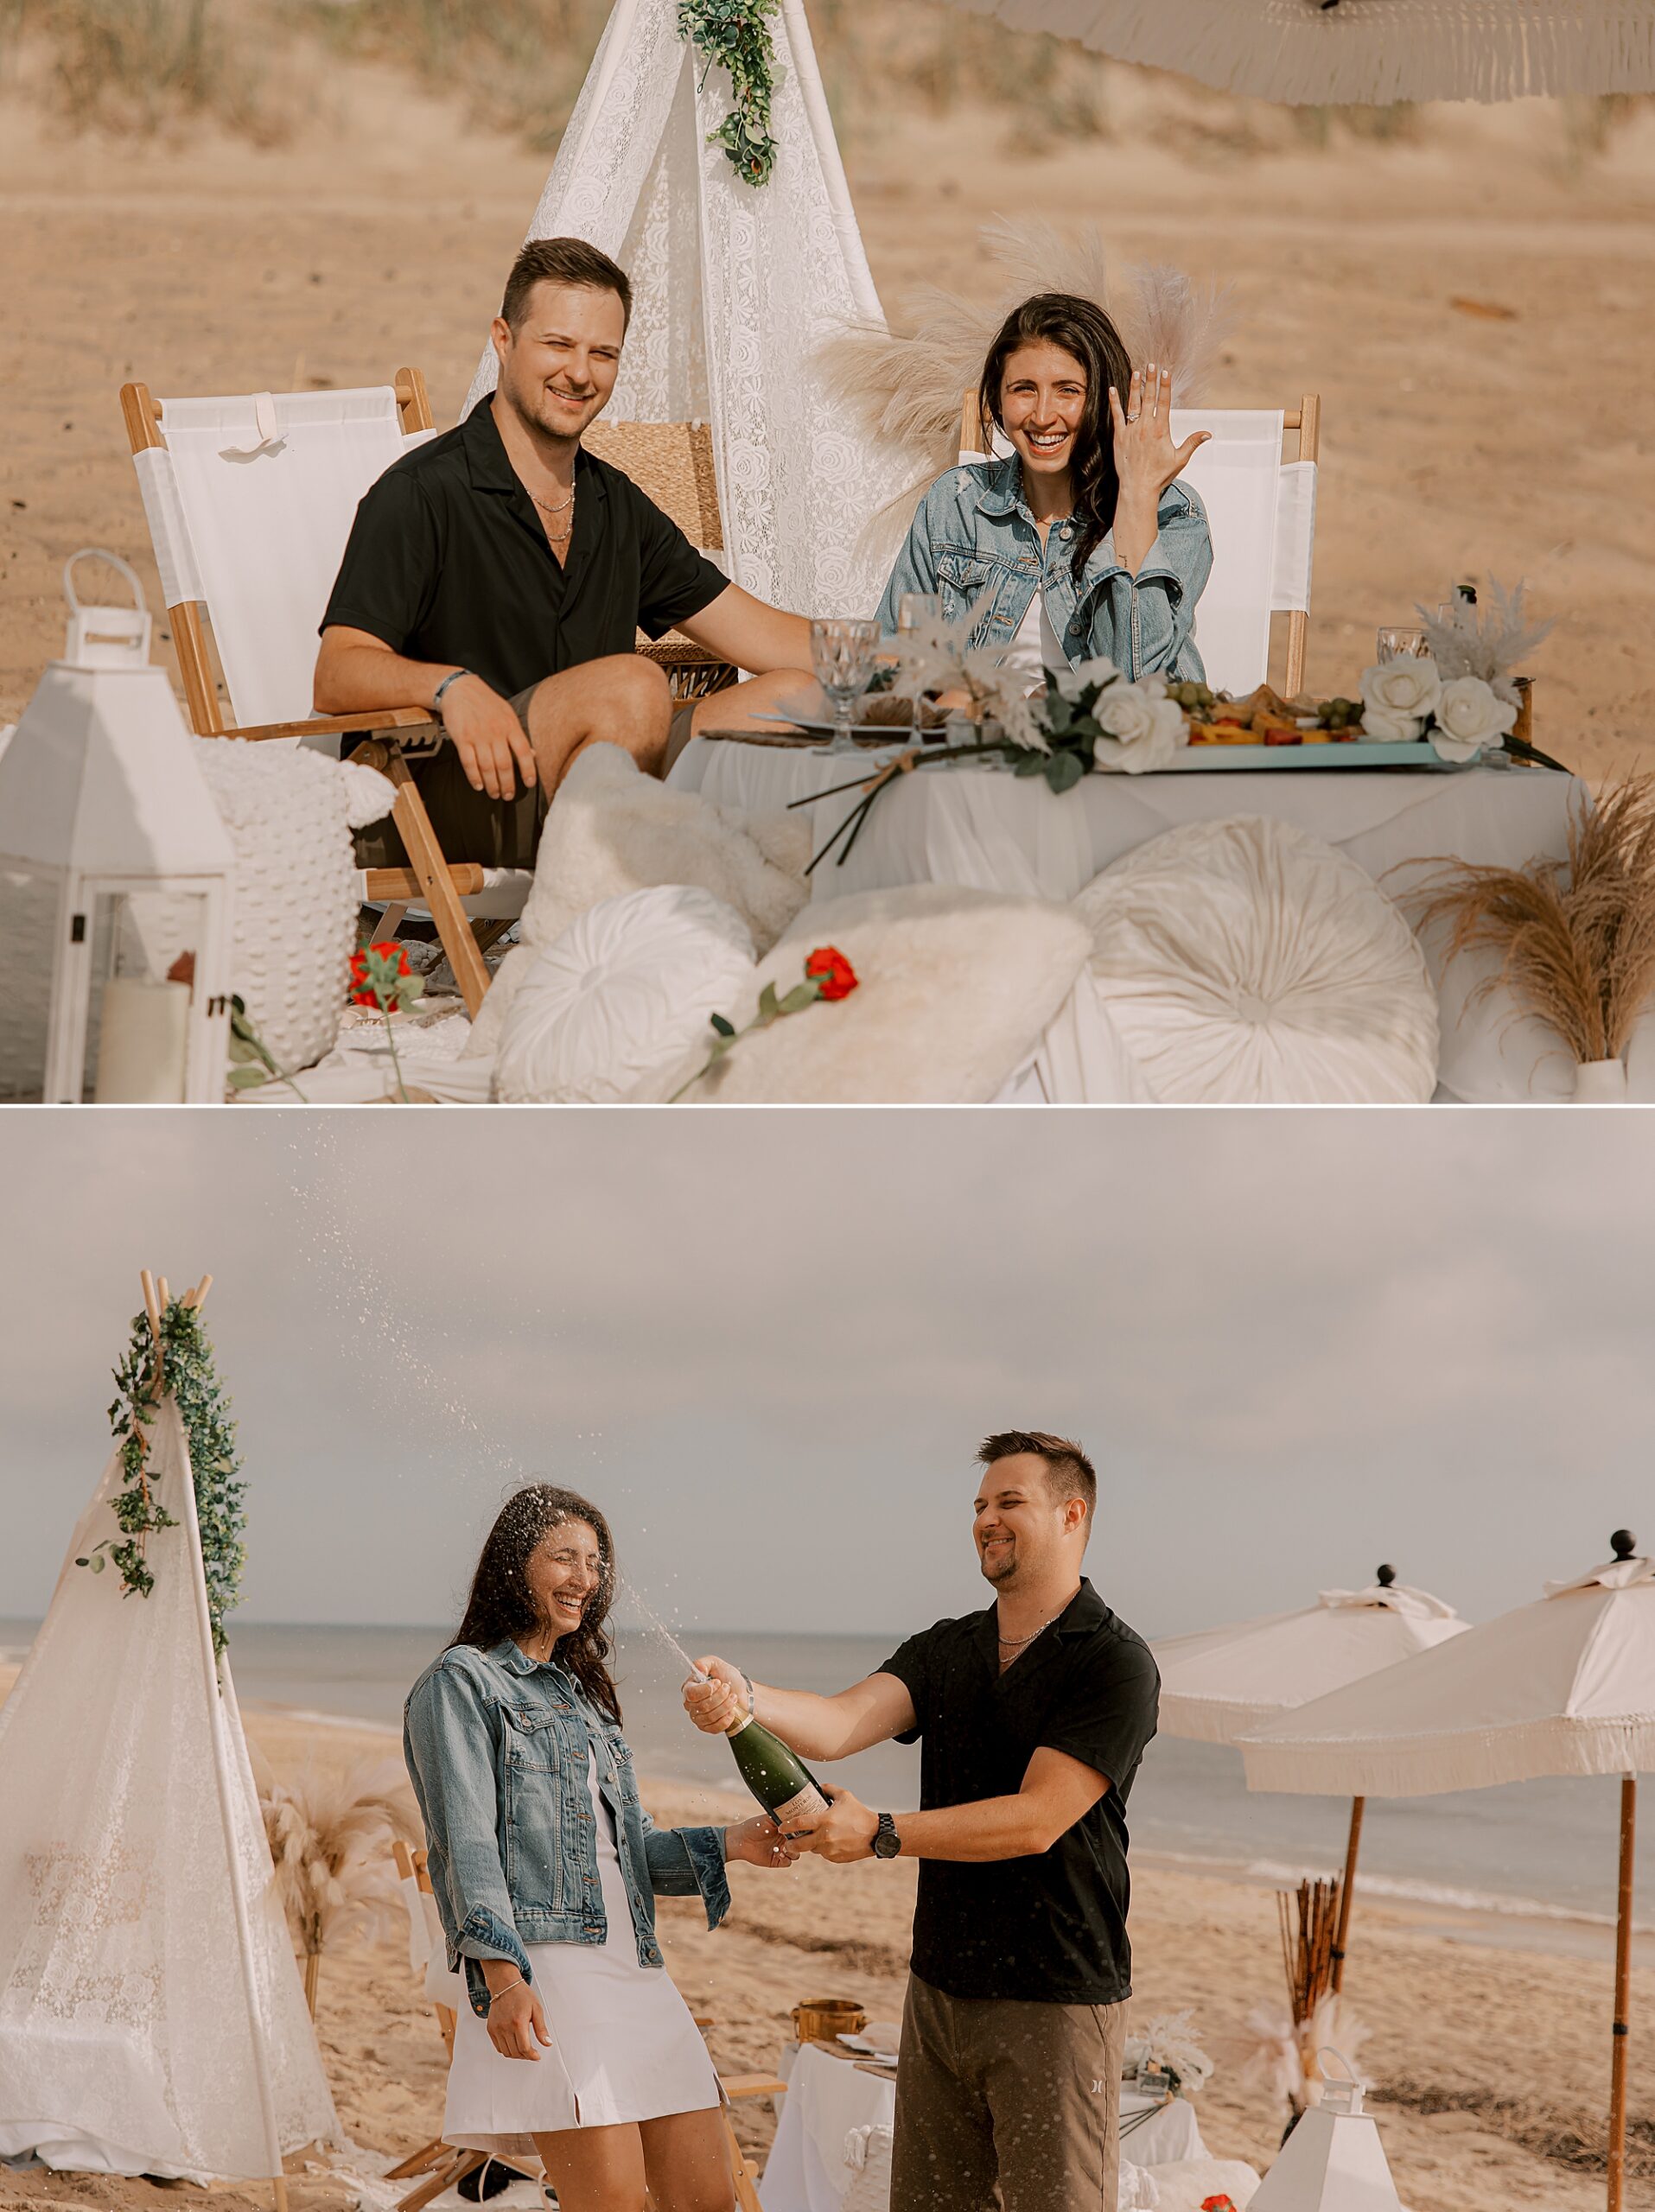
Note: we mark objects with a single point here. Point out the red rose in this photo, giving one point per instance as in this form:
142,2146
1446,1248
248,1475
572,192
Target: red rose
831,972
1217,2204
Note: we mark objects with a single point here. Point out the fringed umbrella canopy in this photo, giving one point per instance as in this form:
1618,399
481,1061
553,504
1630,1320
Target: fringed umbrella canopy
1564,1686
1223,1683
1365,52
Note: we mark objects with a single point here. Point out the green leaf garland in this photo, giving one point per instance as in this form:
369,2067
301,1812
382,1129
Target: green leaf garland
214,1461
734,34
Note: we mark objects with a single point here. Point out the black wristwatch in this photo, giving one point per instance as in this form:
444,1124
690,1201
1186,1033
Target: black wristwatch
887,1842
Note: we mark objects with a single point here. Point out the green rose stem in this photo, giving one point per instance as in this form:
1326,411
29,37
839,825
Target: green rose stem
771,1009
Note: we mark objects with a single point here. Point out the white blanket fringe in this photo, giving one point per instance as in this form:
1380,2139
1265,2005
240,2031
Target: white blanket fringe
1364,52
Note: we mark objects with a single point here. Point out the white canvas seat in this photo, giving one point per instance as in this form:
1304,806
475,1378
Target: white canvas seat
250,500
1262,511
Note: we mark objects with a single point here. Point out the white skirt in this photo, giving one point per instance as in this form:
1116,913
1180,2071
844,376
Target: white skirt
623,2045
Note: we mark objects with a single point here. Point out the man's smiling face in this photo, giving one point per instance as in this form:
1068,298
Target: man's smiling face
1018,1524
558,369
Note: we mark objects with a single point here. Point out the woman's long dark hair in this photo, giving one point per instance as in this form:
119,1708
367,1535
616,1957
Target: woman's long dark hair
502,1605
1080,327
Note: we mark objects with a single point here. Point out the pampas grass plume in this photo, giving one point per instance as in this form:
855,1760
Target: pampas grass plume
330,1836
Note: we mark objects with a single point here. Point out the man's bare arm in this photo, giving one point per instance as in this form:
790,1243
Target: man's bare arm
1056,1792
357,671
752,635
815,1728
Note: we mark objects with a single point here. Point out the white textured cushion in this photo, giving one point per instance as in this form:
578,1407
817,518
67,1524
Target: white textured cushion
290,812
1185,2184
611,829
616,1008
1246,961
955,988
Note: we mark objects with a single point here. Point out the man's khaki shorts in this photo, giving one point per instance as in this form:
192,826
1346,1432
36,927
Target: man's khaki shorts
995,2093
471,826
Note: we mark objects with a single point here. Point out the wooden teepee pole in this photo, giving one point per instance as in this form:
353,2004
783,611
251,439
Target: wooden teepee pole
1622,1997
1346,1888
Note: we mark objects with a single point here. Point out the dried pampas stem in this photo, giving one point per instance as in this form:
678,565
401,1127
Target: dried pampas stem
1576,937
330,1837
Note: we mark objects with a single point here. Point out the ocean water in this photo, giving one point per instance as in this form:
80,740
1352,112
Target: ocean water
1547,1847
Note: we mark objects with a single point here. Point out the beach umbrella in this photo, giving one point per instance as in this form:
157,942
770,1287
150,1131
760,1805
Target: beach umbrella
1564,1686
1220,1684
1364,52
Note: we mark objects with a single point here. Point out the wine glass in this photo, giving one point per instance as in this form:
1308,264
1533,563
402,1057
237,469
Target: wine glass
1402,645
913,609
842,659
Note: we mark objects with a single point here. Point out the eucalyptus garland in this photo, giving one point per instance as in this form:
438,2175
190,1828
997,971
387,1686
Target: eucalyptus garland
734,34
187,1360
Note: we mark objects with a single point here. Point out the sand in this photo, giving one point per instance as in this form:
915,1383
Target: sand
1456,442
1511,2042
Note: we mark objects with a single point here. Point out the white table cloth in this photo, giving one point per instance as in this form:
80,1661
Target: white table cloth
827,2097
984,828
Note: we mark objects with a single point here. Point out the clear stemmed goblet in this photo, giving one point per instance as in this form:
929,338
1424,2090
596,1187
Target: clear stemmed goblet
841,660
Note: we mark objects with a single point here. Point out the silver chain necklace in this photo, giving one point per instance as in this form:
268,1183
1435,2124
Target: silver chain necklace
1016,1643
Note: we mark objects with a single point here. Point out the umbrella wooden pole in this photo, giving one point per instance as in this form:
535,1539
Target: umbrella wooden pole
1353,1844
1622,1997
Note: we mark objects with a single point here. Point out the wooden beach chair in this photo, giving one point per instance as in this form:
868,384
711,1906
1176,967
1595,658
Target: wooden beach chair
1262,507
250,500
673,464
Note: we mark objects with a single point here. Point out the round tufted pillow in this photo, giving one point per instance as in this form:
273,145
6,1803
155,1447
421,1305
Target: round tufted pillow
1247,962
616,1008
289,811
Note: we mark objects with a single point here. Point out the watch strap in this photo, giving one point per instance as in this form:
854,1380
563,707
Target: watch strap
453,676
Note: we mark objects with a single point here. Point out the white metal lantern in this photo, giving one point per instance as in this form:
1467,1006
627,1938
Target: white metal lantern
115,880
1333,2161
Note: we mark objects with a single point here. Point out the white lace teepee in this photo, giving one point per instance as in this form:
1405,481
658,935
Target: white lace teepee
735,287
151,2017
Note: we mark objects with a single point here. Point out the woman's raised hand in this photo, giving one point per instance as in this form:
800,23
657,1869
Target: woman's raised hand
716,1704
1146,459
759,1842
516,2021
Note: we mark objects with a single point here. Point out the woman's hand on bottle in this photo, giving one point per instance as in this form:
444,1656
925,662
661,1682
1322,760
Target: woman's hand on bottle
718,1703
759,1842
1146,459
516,2021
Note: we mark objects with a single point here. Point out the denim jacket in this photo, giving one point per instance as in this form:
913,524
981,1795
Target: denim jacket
496,1746
975,542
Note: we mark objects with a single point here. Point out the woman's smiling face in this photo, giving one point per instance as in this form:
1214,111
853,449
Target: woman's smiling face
1042,399
563,1573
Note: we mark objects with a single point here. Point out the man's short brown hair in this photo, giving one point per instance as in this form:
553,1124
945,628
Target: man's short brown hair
1068,1470
562,261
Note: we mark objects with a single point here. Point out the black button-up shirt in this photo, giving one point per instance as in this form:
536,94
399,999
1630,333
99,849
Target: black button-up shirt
447,561
1051,1928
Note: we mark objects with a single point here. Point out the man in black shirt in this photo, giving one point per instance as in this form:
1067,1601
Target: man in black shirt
1033,1716
499,575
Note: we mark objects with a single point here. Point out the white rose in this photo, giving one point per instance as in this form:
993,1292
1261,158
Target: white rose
1142,731
1469,717
1072,681
1381,727
1408,686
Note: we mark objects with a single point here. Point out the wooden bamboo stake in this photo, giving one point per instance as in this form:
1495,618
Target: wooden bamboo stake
1346,1888
1622,1997
312,1974
151,1304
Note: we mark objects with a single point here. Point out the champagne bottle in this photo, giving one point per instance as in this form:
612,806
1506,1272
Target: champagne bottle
779,1778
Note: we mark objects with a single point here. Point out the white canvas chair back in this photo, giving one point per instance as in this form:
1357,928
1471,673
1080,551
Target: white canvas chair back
249,504
428,1956
1262,511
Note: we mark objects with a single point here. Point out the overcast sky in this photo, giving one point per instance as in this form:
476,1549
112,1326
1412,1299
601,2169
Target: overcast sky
767,1344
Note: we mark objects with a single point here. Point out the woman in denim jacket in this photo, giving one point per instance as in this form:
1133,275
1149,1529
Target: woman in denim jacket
1079,544
546,1867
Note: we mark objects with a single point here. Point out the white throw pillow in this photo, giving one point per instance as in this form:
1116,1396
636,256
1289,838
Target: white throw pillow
1246,961
289,811
954,989
615,1010
611,830
1185,2184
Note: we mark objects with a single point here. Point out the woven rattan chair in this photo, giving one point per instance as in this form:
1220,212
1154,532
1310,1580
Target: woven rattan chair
673,464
